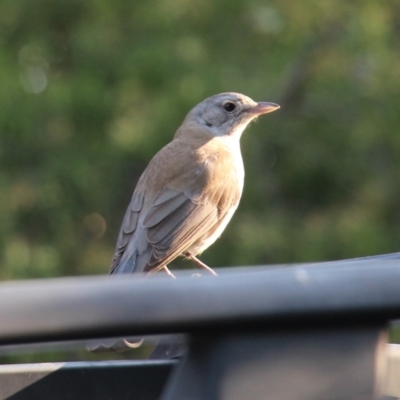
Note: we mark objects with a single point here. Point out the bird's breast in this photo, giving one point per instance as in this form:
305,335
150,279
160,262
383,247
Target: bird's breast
221,162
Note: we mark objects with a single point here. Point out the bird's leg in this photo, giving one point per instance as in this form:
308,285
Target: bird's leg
165,268
200,263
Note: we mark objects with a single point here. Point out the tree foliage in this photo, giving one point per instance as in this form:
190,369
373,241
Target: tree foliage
91,90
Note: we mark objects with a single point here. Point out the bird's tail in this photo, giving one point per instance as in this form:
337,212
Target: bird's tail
127,266
113,344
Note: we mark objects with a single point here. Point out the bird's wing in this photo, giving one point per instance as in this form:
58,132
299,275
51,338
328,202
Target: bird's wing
175,221
171,225
129,225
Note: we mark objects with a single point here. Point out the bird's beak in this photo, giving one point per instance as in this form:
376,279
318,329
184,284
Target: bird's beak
264,108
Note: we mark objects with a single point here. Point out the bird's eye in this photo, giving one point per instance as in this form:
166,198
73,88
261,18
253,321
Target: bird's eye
229,106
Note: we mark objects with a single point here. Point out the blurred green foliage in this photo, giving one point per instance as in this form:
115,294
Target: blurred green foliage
89,91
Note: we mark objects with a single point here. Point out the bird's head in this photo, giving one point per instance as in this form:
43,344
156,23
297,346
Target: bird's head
227,114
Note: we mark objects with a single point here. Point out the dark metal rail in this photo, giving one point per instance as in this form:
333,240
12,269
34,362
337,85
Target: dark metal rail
294,332
77,308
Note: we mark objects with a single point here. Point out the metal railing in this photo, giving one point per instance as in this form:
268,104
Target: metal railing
290,332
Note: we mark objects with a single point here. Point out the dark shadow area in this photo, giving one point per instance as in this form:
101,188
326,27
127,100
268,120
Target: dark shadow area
100,381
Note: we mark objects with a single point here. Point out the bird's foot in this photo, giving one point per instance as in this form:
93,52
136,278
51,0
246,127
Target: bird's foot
200,264
165,268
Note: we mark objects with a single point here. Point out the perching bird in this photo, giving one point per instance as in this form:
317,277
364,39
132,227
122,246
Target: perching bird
185,197
190,189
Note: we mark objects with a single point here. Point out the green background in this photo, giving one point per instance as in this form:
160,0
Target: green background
91,90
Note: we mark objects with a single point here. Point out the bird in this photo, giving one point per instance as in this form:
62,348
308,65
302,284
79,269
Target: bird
184,199
190,190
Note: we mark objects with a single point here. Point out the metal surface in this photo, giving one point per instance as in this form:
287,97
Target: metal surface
342,364
362,291
83,380
293,332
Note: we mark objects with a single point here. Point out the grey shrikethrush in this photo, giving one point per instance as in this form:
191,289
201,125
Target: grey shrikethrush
190,189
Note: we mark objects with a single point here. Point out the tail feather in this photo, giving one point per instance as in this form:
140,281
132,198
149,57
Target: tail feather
127,266
113,344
